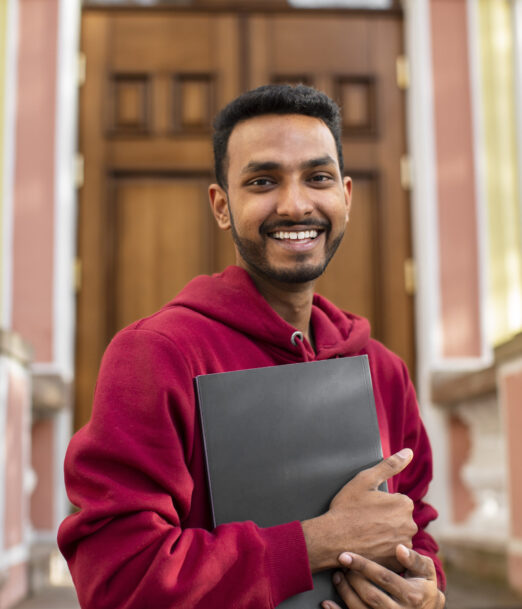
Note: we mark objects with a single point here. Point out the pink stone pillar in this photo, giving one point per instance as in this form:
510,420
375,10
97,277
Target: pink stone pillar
15,422
510,380
461,330
34,188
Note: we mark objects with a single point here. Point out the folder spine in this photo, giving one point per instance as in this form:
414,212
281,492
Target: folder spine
205,453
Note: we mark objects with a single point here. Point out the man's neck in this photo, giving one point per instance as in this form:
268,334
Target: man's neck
291,301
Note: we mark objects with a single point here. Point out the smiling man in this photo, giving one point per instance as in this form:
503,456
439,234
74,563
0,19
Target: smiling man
142,535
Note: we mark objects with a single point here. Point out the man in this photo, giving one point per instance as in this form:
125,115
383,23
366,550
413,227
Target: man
142,535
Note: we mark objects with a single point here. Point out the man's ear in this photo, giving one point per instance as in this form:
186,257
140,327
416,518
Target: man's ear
347,187
219,204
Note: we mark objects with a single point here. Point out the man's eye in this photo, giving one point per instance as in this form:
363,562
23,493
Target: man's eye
321,177
261,182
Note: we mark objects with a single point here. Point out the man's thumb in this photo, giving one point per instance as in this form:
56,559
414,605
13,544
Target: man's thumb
374,476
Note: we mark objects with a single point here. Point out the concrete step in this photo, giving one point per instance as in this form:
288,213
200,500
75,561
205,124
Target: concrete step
464,592
467,591
52,597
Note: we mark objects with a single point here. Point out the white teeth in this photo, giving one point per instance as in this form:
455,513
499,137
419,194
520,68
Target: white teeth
309,234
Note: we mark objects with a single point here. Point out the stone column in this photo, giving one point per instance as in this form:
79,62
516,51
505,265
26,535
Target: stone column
485,472
510,387
15,468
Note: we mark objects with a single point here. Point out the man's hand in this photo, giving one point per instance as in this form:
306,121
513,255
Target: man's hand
366,584
363,519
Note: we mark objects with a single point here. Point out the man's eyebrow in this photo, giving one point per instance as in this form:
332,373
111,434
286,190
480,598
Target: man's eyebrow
323,160
255,166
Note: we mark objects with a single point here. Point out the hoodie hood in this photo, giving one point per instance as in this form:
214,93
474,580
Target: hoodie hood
232,298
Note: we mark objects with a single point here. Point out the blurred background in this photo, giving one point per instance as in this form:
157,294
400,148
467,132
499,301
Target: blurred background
105,157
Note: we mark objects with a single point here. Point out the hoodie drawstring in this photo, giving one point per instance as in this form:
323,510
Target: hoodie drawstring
297,335
297,339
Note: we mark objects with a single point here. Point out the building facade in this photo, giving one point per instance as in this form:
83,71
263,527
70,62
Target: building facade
461,73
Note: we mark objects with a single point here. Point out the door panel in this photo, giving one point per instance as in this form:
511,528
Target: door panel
163,239
154,82
350,283
316,46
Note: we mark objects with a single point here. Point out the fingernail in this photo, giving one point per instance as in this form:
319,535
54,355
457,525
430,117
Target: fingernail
405,453
326,605
404,549
337,577
345,558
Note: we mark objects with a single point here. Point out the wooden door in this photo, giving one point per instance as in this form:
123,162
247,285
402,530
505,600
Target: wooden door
154,81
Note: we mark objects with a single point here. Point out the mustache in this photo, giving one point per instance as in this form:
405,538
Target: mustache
270,227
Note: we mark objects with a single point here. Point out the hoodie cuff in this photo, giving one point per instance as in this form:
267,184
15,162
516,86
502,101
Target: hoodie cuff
287,561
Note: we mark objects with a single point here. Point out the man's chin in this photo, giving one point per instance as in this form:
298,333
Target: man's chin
302,274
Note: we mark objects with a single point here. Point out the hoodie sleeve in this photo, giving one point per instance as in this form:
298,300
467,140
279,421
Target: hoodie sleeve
415,479
402,427
128,473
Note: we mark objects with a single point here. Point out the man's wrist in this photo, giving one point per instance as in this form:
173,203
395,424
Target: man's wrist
316,533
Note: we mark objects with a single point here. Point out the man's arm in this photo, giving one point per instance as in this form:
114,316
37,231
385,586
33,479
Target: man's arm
400,421
415,479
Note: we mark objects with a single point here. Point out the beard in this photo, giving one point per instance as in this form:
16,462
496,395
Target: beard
254,254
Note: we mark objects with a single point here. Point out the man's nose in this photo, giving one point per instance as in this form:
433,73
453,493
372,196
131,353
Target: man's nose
294,202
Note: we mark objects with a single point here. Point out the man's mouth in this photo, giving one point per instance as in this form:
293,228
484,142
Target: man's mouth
295,235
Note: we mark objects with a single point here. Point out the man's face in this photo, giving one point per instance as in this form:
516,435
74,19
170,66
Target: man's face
286,203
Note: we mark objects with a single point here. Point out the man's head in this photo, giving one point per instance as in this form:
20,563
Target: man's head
282,192
273,99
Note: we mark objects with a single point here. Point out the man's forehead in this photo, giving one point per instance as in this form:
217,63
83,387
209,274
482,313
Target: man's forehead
272,138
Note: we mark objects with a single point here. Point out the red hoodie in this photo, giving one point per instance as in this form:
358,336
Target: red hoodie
142,537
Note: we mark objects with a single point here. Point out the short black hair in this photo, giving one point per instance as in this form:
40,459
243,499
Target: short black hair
273,99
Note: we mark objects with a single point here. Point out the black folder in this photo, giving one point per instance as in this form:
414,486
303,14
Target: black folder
281,441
